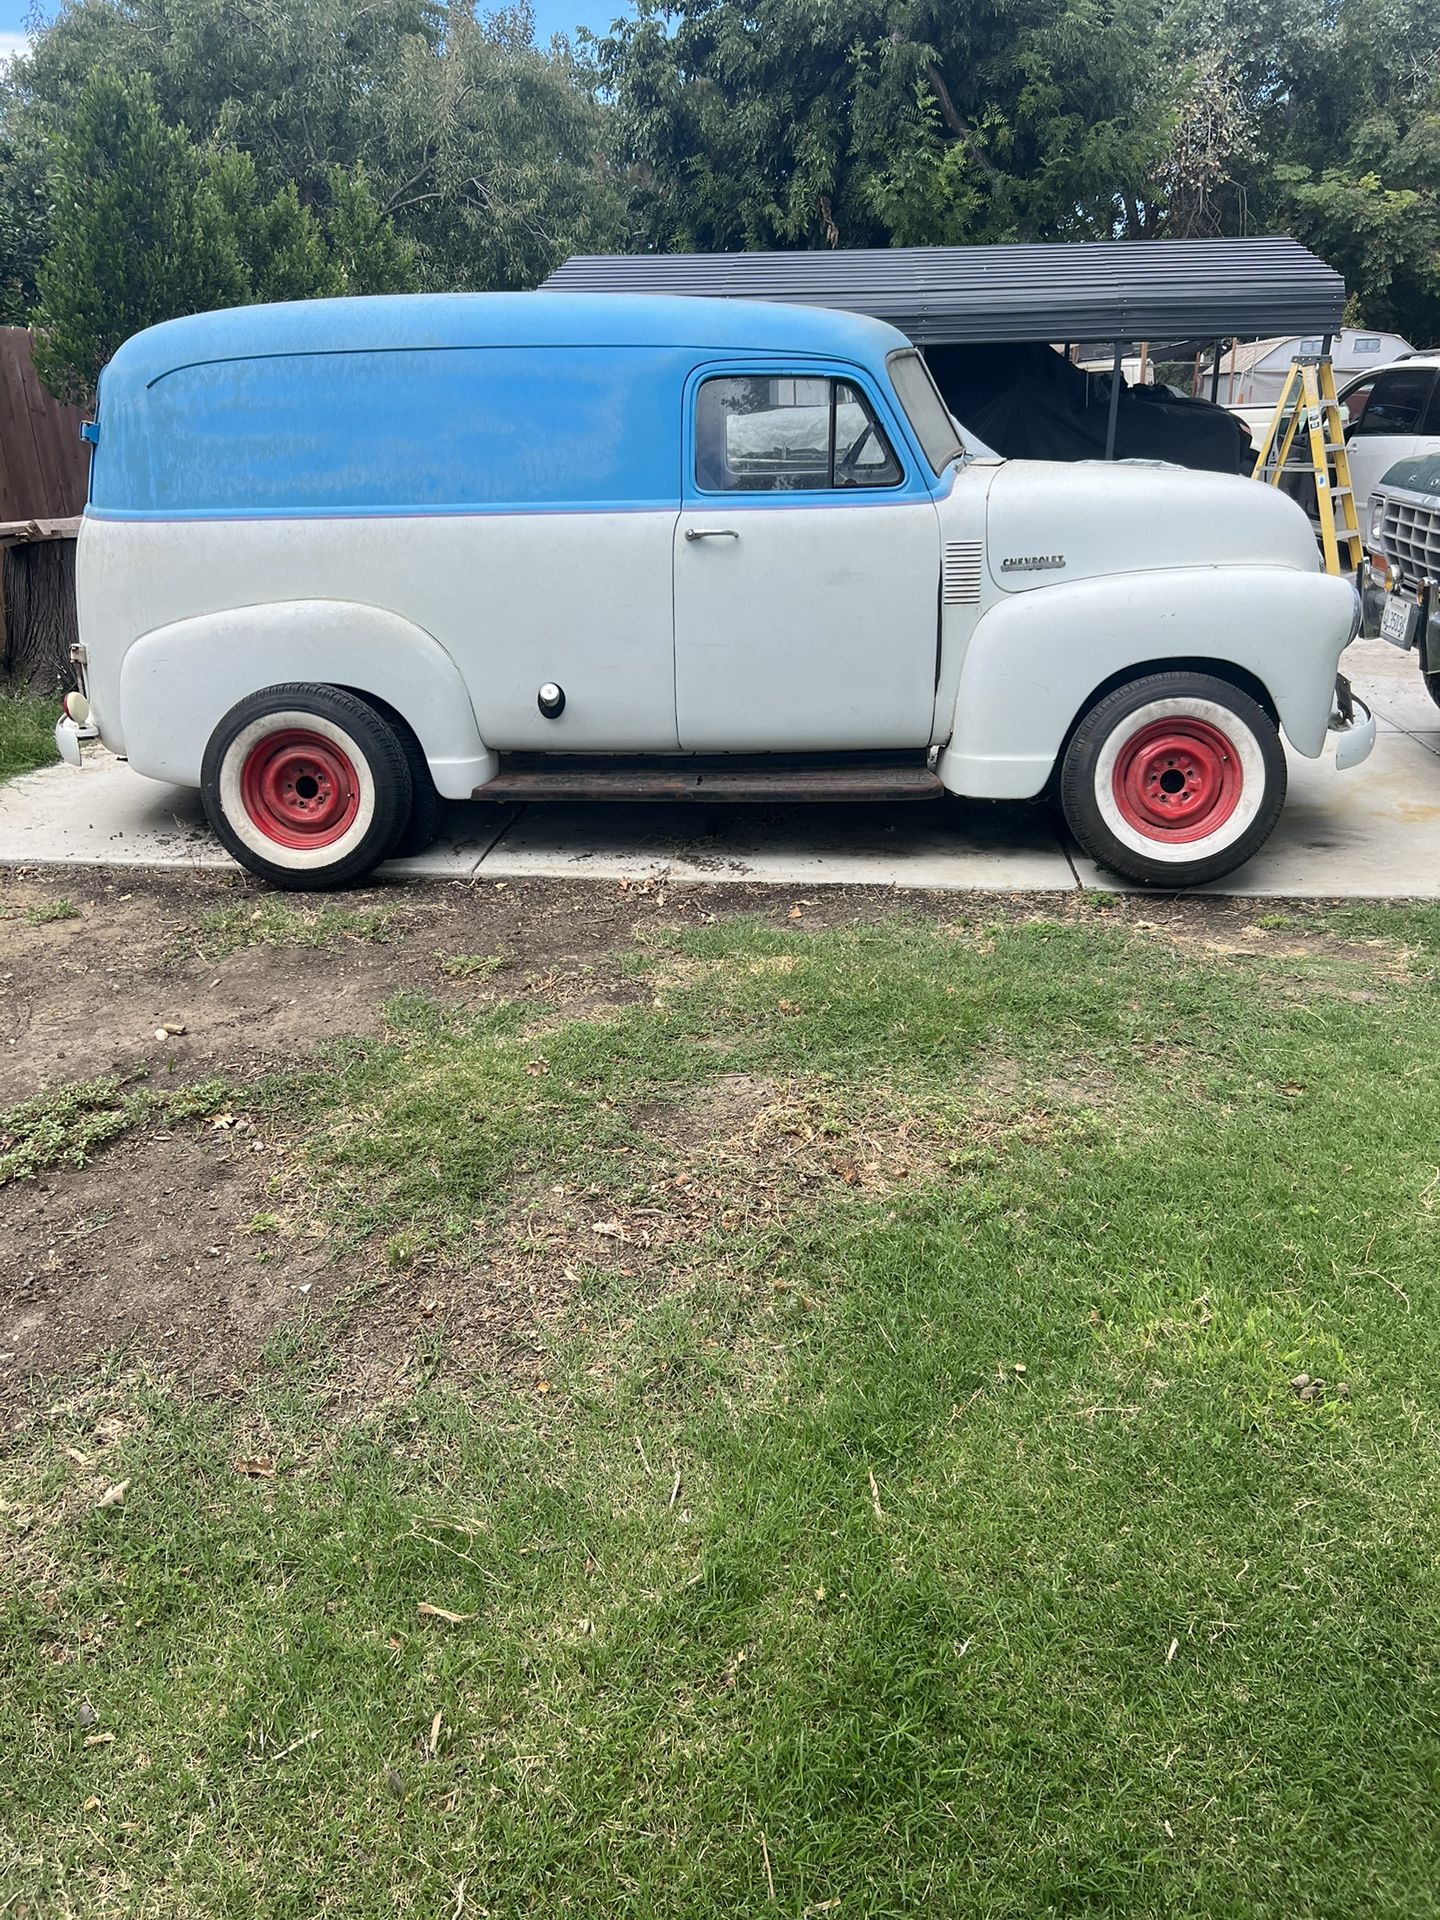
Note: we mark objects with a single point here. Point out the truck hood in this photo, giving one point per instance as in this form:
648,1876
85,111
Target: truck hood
1050,521
1420,474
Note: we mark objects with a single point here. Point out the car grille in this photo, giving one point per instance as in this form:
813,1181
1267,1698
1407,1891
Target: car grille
1410,540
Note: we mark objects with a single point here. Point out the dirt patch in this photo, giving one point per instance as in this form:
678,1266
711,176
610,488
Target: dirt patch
180,1248
740,1154
163,1249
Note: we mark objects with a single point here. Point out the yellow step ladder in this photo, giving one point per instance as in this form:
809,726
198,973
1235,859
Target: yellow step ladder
1308,408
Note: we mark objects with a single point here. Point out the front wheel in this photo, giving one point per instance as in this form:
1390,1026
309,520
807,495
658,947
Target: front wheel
1173,780
307,786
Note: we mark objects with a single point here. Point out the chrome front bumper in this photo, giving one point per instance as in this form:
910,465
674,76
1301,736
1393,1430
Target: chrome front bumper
1353,725
68,737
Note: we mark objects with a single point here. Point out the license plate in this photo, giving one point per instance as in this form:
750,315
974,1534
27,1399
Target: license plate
1397,621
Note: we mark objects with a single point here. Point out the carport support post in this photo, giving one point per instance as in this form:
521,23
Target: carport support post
1215,373
1114,400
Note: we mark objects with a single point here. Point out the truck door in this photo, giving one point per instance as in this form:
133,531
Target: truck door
807,568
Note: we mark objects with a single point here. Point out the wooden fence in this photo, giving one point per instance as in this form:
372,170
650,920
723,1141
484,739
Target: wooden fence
44,464
44,475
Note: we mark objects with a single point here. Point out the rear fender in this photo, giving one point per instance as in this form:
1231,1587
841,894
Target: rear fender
1034,663
177,682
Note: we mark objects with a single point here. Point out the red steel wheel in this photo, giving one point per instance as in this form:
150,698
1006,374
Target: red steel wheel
299,788
306,785
1173,779
1178,780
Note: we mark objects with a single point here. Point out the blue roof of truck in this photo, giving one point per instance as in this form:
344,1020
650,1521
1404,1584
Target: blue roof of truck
377,322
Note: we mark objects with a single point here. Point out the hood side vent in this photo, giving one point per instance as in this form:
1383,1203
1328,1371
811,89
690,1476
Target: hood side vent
962,572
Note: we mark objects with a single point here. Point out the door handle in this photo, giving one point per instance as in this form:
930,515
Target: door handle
711,533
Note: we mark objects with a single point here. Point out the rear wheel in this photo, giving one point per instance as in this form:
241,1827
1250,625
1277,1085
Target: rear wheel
427,809
1432,686
307,786
1173,780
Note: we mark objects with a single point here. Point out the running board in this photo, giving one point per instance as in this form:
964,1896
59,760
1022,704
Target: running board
796,777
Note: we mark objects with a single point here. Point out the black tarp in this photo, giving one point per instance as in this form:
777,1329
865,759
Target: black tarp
1029,403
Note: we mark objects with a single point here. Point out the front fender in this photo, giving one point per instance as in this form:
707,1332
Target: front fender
1034,662
178,681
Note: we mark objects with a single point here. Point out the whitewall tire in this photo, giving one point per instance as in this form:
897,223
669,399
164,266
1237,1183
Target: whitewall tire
1174,779
307,786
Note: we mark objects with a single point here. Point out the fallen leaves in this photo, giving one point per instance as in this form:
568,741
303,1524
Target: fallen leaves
428,1612
874,1494
113,1496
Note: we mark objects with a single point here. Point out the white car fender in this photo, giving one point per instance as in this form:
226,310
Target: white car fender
1034,661
178,681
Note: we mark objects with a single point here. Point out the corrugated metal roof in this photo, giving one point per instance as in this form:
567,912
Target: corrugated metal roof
1088,290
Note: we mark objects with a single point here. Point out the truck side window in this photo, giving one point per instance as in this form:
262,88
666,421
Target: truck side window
788,433
1397,401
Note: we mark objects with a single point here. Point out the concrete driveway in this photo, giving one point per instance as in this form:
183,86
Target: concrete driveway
1374,831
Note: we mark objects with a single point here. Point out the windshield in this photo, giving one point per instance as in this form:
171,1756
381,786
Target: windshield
927,413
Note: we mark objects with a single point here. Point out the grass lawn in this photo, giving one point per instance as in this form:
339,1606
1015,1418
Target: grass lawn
982,1459
27,728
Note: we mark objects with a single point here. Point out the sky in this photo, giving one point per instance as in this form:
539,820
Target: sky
563,16
551,16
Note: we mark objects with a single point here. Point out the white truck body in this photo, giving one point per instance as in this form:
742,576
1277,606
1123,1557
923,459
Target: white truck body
447,505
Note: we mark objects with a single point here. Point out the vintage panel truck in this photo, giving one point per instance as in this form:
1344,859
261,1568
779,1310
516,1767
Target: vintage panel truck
343,559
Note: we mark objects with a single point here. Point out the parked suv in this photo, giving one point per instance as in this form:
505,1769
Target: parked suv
1402,566
1391,413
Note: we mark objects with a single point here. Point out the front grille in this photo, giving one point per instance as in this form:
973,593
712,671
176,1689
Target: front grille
1410,540
962,572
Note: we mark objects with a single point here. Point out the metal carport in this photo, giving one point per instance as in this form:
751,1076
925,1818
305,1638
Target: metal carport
1115,290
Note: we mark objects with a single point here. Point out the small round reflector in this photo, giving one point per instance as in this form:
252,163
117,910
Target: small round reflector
77,708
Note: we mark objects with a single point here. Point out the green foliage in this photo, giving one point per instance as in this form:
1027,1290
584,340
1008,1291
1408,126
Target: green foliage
67,1124
134,243
276,923
366,251
1323,121
965,1546
147,226
775,123
309,147
863,122
297,148
27,732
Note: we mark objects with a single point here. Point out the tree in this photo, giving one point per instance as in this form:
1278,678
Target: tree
290,251
370,255
464,155
752,123
1325,122
134,241
490,155
148,227
778,123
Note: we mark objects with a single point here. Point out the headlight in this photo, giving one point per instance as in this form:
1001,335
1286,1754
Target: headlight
1377,521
